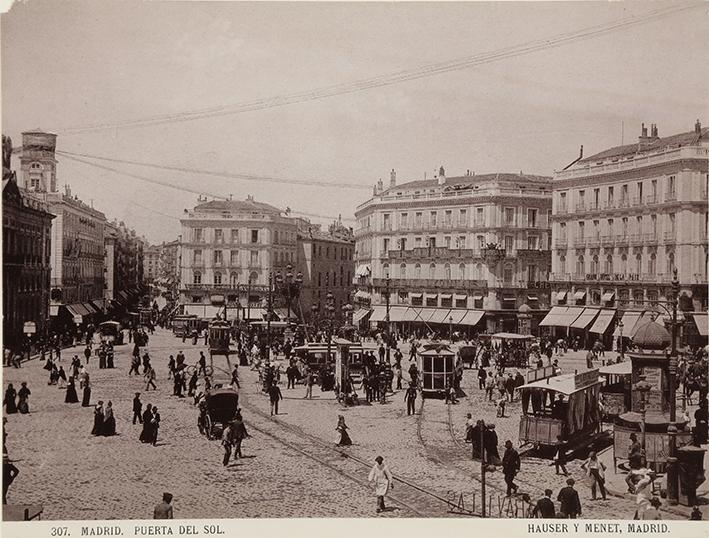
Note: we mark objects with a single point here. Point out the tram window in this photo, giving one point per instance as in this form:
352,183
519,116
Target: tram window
439,364
427,364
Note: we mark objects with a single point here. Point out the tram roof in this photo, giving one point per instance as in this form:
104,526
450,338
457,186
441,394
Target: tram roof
621,368
563,384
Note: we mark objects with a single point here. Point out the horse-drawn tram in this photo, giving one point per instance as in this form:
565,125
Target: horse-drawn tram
560,407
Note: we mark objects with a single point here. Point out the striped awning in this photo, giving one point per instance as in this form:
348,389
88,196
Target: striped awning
585,319
360,314
379,313
441,315
458,315
554,317
702,321
604,319
472,318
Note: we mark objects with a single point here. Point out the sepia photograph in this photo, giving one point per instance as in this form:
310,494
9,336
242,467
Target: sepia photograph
377,260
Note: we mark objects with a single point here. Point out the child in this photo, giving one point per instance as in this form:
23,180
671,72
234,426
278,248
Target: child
501,401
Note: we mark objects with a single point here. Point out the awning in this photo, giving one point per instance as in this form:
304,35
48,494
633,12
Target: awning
608,296
360,314
255,314
54,309
554,317
77,309
98,306
478,296
702,321
472,318
397,313
360,294
379,314
441,315
621,368
460,297
571,314
446,296
208,311
415,295
412,314
458,315
604,319
91,309
363,270
122,295
561,296
629,321
430,296
509,299
579,295
563,384
426,314
532,298
585,319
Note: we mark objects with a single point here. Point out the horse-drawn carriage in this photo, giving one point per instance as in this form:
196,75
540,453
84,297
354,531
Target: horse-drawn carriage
110,331
216,410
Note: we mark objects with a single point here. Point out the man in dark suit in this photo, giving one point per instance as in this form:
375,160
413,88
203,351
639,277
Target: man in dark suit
137,408
569,503
545,507
510,467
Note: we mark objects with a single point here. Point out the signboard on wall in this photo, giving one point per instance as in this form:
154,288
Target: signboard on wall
30,327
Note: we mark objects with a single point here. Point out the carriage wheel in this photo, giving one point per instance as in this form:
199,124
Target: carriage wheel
200,425
208,427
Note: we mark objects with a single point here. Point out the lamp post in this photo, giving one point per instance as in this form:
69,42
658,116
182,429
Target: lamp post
248,300
330,313
620,329
289,286
387,296
643,387
450,329
672,482
269,313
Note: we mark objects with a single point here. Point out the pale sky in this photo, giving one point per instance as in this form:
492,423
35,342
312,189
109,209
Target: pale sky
72,64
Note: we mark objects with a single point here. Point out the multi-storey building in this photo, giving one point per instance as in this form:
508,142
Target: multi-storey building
151,263
623,220
26,260
170,266
455,250
123,265
77,243
326,260
228,249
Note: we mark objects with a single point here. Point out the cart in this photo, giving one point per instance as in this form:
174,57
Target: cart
110,331
216,410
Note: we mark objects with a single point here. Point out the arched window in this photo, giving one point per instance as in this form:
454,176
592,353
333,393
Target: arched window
402,270
461,271
639,263
447,271
670,263
253,277
594,265
652,264
609,264
417,270
432,271
562,264
478,272
624,264
233,279
197,277
217,278
580,266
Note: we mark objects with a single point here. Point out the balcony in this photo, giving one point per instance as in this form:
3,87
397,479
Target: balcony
637,239
593,242
671,196
561,210
670,238
560,277
610,204
581,206
651,238
560,242
623,203
433,253
580,242
430,283
532,252
651,199
607,240
594,206
636,201
622,240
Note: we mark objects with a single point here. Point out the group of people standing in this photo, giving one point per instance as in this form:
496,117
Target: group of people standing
104,420
17,400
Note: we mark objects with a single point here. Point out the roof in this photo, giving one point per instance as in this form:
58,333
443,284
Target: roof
237,205
690,138
462,181
619,368
563,384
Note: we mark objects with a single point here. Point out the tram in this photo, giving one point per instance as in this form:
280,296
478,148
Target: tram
560,407
220,340
615,392
181,325
437,367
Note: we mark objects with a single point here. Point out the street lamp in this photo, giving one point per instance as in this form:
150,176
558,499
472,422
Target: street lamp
248,299
387,296
289,286
620,330
643,387
347,313
450,329
330,314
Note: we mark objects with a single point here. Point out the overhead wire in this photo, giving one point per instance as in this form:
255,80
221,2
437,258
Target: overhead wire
391,78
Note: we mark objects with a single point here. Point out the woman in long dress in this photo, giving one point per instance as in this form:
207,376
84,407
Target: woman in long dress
98,419
86,399
381,476
342,428
23,394
10,400
71,396
109,421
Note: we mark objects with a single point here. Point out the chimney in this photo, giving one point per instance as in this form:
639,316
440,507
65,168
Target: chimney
643,131
698,127
581,153
441,176
374,190
392,180
653,131
380,185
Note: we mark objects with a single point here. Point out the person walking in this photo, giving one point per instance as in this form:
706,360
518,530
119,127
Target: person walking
71,396
410,399
342,428
154,426
274,394
240,433
150,376
146,363
98,418
164,509
202,364
10,400
23,396
560,456
227,443
171,367
309,382
545,507
109,421
569,503
134,365
146,433
482,376
383,480
86,397
137,409
192,388
9,473
510,467
595,472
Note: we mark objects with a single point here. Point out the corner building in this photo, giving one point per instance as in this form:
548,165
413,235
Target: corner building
623,220
461,253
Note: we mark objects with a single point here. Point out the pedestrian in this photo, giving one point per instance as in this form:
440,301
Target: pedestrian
309,382
235,377
275,396
560,457
146,434
9,473
342,428
490,442
71,396
510,387
150,376
635,452
61,376
86,397
510,467
193,384
109,356
399,376
653,512
178,383
240,433
10,400
202,364
469,425
414,373
98,418
146,363
482,376
569,502
137,409
87,353
23,395
134,365
589,359
410,399
501,403
227,442
451,396
381,476
154,425
595,473
545,507
489,387
109,421
164,509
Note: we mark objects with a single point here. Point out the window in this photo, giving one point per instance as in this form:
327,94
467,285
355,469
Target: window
639,263
418,219
609,265
387,222
639,225
594,265
670,263
510,216
638,297
653,191
582,200
562,232
402,243
580,266
254,258
448,216
218,259
653,226
624,229
234,280
461,271
672,221
327,249
217,278
481,241
532,273
418,242
581,228
509,243
478,275
254,236
197,235
218,236
624,194
327,275
447,241
479,216
404,220
624,264
432,242
402,272
596,198
460,242
197,257
610,197
532,218
507,274
434,219
197,277
447,271
651,265
463,217
234,257
417,270
671,193
432,271
640,191
562,202
385,248
562,264
596,229
35,176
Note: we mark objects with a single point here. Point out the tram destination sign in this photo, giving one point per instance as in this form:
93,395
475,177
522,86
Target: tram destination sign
585,379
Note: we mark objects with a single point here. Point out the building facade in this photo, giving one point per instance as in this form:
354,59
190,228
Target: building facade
326,260
151,264
228,248
170,267
449,245
26,260
625,218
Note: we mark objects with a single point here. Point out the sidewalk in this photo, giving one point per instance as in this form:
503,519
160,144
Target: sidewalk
616,486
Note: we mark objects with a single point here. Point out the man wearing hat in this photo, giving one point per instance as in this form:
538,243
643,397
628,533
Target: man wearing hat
510,467
9,473
569,503
137,409
545,507
164,509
